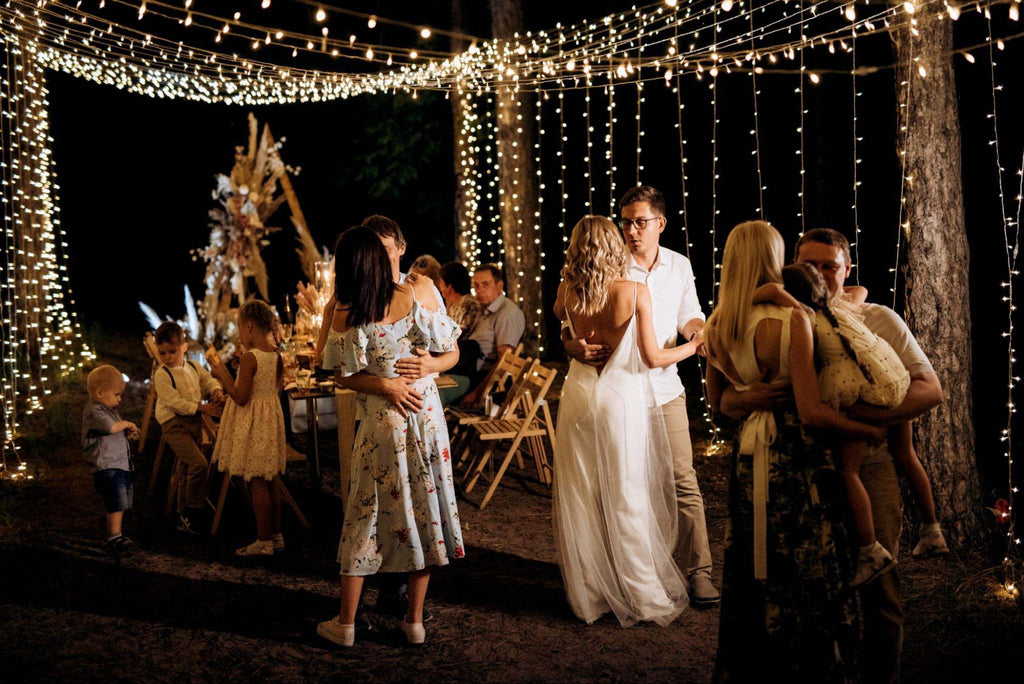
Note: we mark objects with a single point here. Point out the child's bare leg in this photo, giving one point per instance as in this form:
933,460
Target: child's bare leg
851,455
901,446
351,588
417,594
275,506
114,524
261,507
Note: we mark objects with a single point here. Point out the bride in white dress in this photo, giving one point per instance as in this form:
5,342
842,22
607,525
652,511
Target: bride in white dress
614,512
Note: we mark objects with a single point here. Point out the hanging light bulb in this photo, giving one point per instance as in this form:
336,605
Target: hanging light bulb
909,7
188,19
1015,12
369,53
726,5
851,12
954,11
142,9
265,4
424,33
372,21
320,14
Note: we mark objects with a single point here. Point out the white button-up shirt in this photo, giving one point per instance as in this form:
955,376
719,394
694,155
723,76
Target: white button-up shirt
674,300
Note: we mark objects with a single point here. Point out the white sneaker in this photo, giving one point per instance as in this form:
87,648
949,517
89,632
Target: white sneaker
257,548
333,630
872,562
931,544
278,540
414,632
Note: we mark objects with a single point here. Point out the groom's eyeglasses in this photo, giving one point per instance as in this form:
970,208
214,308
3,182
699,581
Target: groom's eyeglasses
640,223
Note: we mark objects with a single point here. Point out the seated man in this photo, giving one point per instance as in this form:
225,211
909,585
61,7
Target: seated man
463,308
499,329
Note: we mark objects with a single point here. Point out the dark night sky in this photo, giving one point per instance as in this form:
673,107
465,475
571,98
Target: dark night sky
136,176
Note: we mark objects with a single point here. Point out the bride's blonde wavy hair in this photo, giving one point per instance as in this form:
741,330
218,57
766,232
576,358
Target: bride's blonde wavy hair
596,257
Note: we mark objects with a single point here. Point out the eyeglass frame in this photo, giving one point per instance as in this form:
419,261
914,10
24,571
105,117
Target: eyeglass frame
640,223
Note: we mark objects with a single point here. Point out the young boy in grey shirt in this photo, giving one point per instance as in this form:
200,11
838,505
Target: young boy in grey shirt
107,449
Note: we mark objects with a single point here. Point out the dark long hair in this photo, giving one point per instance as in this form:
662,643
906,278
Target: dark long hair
363,280
808,287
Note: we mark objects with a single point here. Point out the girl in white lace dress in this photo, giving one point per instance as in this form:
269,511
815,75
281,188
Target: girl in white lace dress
251,440
855,365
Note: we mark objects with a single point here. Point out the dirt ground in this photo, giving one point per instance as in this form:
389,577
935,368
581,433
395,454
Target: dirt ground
184,609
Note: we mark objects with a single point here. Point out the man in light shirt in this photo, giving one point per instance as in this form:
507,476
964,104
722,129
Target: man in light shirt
676,309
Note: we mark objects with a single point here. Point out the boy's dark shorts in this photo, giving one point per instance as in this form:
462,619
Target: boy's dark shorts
115,486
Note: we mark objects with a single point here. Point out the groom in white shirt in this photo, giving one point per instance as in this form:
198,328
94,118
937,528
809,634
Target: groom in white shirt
676,309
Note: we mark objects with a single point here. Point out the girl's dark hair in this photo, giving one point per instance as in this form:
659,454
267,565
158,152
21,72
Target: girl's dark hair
362,276
808,287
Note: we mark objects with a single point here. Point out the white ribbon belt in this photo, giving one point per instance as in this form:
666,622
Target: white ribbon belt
756,438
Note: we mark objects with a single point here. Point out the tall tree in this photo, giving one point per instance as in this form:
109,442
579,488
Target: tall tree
517,182
938,301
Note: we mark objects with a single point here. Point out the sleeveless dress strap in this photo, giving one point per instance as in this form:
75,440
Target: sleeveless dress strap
634,297
412,291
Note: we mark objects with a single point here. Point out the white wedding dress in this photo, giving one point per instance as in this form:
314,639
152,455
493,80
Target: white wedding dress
615,515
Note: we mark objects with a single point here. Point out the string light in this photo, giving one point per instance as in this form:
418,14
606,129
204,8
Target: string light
1011,244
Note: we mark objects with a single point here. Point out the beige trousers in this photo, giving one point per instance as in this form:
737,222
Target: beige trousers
693,530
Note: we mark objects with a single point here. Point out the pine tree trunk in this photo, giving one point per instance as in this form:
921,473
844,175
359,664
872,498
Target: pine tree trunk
517,185
937,285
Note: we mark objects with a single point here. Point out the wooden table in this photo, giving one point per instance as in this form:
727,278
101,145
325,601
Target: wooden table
312,419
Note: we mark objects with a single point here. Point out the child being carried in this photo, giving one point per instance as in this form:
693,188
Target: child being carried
855,364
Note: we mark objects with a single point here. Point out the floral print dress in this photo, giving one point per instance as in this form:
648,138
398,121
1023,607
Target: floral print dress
401,514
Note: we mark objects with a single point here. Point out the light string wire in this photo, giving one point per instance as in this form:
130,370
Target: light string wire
902,136
801,152
856,157
756,133
433,76
1011,243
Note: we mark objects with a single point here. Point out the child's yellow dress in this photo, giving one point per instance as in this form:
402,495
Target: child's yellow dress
251,441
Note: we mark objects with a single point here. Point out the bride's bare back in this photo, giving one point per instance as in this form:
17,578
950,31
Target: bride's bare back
608,326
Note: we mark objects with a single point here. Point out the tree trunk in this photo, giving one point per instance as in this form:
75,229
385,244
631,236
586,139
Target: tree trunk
465,160
517,185
937,286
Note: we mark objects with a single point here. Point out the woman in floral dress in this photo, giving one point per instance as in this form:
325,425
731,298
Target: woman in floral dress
401,514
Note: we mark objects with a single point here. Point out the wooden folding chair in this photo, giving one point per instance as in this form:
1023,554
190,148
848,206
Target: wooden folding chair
506,374
494,381
291,456
493,432
149,342
509,408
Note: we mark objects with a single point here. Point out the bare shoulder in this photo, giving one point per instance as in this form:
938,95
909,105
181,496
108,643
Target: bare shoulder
424,291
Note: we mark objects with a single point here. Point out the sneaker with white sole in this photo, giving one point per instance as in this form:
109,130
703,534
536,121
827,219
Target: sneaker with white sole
257,548
414,632
872,562
932,543
333,630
